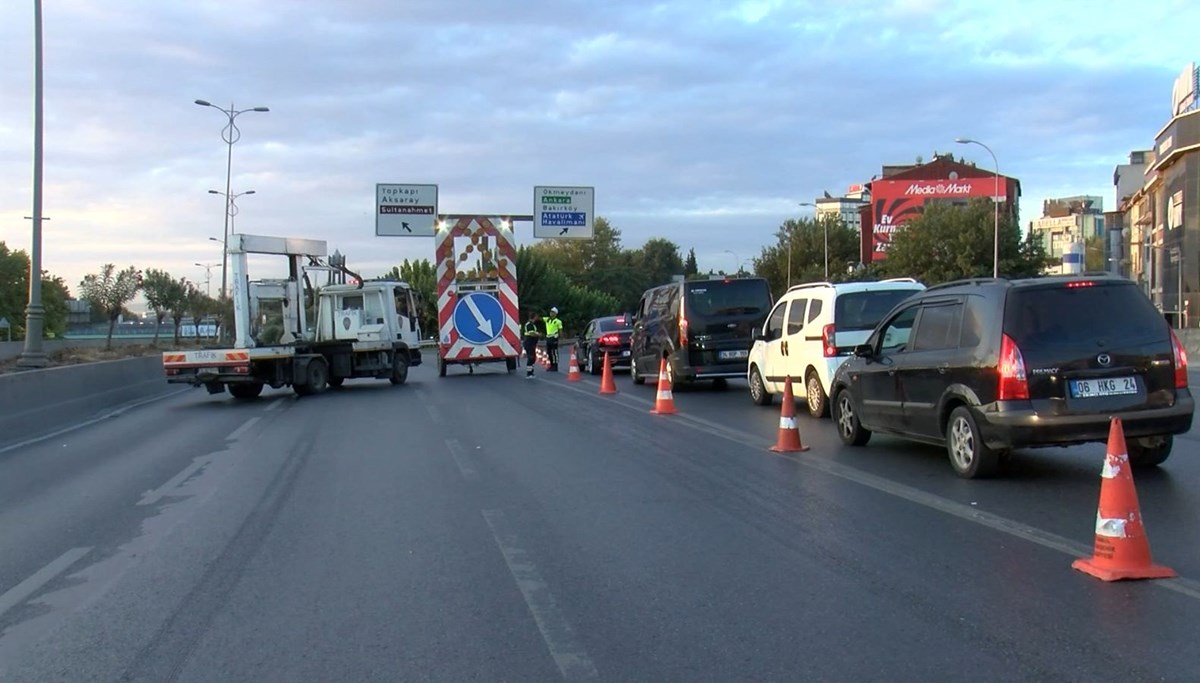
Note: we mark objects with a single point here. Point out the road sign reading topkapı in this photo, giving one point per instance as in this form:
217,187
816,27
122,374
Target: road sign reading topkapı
405,210
563,212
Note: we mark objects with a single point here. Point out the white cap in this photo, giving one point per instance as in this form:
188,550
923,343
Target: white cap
553,309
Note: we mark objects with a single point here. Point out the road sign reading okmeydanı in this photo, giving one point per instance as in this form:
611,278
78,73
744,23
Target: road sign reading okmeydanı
405,210
563,212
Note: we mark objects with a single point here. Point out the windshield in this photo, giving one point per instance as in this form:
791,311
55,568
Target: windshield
728,297
864,310
1080,315
613,324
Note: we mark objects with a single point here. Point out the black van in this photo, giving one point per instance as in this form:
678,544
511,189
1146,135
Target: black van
703,327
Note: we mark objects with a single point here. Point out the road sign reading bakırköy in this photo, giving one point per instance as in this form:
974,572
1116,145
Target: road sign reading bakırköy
563,212
405,210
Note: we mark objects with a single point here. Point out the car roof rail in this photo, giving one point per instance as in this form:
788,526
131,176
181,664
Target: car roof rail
900,279
967,281
810,284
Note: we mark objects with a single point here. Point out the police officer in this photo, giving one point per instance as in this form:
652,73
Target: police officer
531,332
553,330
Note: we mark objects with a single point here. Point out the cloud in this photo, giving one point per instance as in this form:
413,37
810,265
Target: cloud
699,121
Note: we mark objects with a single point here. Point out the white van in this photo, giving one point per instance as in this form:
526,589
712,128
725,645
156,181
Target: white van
811,331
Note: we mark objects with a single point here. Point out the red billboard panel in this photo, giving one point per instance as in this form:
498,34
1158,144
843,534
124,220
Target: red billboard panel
895,202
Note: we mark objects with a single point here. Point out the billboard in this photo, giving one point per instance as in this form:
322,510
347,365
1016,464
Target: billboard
895,202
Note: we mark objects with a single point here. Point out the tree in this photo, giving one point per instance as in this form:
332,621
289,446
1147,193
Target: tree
157,289
199,305
540,285
658,261
422,277
1094,260
177,303
14,294
109,290
952,242
805,238
689,265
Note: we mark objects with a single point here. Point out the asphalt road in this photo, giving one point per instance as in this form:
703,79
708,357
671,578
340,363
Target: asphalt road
491,528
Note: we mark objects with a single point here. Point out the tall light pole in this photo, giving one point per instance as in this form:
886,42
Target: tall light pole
33,355
230,134
825,225
735,259
995,205
231,205
207,275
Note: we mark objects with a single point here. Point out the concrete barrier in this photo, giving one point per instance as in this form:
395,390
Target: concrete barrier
37,402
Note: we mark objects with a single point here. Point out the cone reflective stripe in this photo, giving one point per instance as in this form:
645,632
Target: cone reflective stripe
573,366
607,385
1121,549
788,440
664,403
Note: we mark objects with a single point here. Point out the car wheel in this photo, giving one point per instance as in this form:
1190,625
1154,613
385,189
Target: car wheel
633,372
1150,451
593,364
246,391
849,428
818,402
969,455
758,388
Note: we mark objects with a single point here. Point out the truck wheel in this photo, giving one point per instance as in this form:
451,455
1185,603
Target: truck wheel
316,379
510,364
246,390
441,367
399,369
336,382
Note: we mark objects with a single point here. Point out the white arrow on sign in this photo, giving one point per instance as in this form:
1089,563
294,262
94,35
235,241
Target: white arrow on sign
485,325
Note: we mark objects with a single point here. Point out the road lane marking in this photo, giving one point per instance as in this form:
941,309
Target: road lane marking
276,403
573,662
116,412
21,592
434,413
1046,539
465,468
153,496
237,433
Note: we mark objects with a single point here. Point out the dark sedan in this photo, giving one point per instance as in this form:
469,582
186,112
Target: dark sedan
604,335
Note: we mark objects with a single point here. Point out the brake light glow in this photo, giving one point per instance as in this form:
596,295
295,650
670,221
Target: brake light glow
683,331
1181,362
1084,283
609,340
1013,383
828,347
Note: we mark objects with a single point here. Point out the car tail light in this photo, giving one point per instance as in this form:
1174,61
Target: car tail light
683,331
609,340
829,348
1180,353
1084,283
1013,384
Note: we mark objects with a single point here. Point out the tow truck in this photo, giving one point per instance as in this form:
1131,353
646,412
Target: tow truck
362,329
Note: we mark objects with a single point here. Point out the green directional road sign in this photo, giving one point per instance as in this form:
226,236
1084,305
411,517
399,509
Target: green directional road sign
563,212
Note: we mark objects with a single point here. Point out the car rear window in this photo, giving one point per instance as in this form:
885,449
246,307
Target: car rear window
1077,313
614,324
864,310
728,297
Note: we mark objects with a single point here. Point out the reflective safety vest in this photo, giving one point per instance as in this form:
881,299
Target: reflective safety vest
531,329
553,327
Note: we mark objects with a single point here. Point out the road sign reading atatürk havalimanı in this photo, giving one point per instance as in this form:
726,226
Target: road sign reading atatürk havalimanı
405,210
563,212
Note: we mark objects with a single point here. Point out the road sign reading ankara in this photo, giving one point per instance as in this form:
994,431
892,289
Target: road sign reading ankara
563,212
405,210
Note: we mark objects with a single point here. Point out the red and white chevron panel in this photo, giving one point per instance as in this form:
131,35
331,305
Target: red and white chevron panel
452,345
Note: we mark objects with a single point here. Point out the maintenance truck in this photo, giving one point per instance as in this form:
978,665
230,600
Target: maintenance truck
360,328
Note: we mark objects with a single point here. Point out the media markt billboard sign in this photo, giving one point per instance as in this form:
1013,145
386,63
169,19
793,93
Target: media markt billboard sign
563,212
895,202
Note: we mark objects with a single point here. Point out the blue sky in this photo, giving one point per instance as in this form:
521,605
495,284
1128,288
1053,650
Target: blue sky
702,122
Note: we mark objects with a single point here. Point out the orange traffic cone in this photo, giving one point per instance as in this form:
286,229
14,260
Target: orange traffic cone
789,434
664,404
1122,550
607,385
573,374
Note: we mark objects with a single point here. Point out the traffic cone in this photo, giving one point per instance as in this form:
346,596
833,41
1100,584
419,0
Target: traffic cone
1122,550
664,404
573,374
607,385
789,434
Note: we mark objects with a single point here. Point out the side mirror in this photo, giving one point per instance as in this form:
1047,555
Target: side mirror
864,351
756,334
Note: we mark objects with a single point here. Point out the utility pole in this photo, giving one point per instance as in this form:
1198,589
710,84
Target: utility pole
34,355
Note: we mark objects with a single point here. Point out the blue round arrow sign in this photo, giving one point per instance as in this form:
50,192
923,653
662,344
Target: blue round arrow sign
478,317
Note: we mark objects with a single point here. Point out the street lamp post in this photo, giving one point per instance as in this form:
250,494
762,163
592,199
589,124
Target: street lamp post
736,260
33,354
231,207
230,134
995,205
207,275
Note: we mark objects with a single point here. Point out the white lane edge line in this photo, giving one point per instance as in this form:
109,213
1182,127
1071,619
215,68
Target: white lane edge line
275,404
237,433
1046,539
116,412
22,591
465,468
154,495
573,662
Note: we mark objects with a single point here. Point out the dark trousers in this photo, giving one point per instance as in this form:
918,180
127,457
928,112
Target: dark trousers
552,352
530,350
